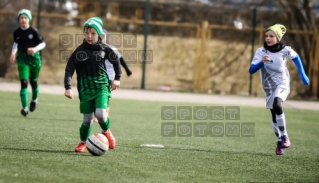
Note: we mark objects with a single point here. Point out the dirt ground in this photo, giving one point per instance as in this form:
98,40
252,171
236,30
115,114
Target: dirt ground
174,97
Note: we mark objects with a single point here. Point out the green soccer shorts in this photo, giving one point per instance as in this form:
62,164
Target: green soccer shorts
29,72
88,104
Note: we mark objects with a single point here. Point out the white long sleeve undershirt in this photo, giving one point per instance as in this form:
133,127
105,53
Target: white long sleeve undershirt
15,47
39,47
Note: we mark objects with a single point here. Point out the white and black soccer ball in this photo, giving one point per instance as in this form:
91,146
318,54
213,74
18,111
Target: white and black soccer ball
97,144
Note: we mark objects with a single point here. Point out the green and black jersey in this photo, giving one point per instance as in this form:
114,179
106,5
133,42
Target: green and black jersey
25,39
89,63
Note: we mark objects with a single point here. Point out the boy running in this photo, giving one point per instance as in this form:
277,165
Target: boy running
26,53
92,81
271,60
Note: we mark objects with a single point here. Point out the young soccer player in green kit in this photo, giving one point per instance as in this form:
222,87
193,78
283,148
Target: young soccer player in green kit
25,52
88,60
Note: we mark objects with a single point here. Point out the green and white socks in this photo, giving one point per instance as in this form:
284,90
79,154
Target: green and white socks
85,131
105,126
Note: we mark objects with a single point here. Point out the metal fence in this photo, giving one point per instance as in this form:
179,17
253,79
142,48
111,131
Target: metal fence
192,57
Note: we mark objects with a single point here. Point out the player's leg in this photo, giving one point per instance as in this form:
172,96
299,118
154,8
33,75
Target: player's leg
101,104
280,96
281,121
86,108
34,75
279,149
95,119
108,108
269,105
106,112
274,124
108,101
24,73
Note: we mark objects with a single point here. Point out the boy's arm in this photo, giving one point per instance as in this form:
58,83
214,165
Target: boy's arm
127,70
40,46
257,62
255,67
69,71
115,61
39,39
13,52
14,48
15,43
301,71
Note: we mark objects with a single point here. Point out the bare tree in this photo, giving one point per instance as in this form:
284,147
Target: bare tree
300,16
4,3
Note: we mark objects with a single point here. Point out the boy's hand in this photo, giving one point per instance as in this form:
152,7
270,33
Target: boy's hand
128,72
115,84
266,59
13,58
32,51
68,93
306,81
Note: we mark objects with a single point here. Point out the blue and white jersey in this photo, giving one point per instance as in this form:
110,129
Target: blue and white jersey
274,73
109,67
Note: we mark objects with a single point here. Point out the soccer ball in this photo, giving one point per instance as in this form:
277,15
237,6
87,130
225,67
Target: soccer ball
97,144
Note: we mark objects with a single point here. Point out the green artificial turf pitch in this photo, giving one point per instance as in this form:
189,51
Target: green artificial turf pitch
40,148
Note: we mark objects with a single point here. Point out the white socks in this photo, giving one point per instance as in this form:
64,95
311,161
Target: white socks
276,130
281,123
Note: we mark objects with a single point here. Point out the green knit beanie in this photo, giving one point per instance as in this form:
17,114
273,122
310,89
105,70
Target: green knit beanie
97,20
26,13
95,23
